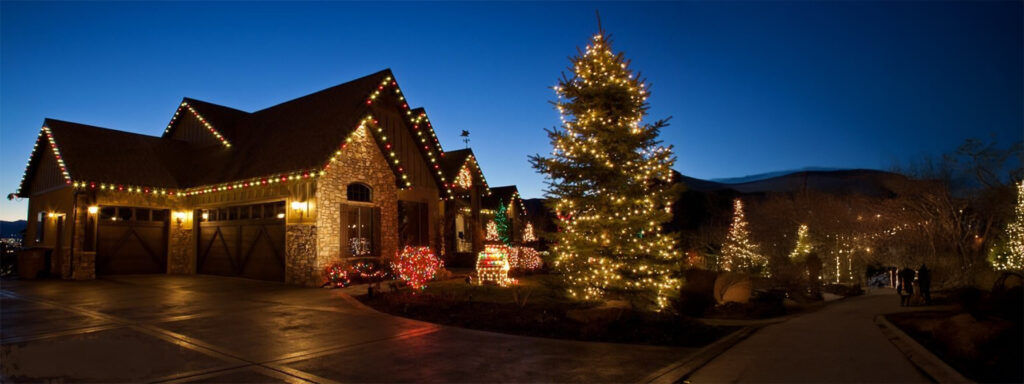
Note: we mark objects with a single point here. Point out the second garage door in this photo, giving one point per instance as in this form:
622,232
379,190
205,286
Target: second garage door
244,241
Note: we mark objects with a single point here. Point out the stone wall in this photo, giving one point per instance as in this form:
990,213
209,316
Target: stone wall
300,255
181,253
361,161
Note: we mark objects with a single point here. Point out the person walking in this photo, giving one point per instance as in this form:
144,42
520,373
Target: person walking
924,280
907,285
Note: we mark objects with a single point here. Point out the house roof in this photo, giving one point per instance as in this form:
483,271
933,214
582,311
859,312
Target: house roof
299,135
502,195
453,161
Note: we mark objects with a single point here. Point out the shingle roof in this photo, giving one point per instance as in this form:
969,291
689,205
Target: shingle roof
453,161
294,136
504,195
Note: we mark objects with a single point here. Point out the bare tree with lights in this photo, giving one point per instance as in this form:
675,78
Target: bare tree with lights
609,180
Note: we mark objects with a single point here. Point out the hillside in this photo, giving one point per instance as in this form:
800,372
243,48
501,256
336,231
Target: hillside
12,228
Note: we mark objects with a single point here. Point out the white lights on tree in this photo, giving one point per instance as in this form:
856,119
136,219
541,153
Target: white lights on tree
611,181
738,252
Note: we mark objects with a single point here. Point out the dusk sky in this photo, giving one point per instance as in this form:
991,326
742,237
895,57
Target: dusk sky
751,87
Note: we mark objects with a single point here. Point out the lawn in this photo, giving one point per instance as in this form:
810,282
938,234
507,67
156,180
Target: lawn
538,307
988,350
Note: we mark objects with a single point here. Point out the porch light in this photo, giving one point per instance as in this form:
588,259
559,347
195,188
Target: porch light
300,207
93,209
180,217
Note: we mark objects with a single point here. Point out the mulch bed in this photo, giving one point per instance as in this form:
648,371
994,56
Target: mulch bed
546,318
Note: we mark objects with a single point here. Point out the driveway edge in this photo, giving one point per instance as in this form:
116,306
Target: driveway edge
921,357
685,367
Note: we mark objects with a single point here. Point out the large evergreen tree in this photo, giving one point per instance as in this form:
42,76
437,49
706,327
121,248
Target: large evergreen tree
1008,253
609,180
738,252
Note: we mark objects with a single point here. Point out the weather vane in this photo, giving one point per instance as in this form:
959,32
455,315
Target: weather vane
465,137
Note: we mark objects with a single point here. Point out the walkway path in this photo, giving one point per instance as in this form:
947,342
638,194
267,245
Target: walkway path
839,343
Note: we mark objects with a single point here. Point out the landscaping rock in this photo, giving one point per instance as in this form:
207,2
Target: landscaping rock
733,287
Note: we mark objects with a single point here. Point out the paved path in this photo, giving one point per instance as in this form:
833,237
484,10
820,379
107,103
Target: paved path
167,328
839,343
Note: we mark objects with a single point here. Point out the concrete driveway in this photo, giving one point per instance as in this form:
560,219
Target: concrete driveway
194,328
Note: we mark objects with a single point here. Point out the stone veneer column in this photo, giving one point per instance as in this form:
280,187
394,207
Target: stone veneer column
82,263
300,255
361,161
181,255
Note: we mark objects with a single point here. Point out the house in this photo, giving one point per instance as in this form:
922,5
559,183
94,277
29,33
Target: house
278,194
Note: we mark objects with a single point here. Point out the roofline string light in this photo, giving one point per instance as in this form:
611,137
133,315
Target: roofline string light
44,132
253,182
202,120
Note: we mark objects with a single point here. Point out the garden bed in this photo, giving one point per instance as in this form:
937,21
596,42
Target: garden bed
537,307
985,350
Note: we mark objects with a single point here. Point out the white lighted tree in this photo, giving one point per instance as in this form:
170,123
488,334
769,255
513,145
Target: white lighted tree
610,181
1008,254
738,252
803,245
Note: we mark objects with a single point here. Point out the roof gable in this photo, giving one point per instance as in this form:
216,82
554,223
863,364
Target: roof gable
207,147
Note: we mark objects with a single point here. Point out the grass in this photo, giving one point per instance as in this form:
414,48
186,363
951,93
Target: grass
538,307
985,350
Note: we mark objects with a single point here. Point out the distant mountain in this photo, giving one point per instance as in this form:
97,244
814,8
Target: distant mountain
769,175
860,181
12,228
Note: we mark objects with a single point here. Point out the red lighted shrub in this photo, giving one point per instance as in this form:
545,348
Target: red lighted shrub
416,266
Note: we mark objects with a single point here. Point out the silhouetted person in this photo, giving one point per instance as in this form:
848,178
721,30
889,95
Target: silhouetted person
924,280
906,286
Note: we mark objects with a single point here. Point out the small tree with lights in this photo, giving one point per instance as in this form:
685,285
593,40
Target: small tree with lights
1008,253
739,254
803,245
502,225
609,181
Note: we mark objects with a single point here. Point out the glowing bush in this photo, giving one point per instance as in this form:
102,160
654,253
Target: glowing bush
416,266
525,259
338,276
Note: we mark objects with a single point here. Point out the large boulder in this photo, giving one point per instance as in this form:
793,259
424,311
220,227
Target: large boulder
733,287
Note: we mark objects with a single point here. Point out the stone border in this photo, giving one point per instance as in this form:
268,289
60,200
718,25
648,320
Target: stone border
921,357
680,370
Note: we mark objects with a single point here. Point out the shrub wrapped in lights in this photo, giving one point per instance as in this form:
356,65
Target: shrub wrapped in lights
416,266
525,259
492,265
337,276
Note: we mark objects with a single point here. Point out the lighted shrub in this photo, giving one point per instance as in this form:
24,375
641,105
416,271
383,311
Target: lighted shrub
416,266
338,275
525,259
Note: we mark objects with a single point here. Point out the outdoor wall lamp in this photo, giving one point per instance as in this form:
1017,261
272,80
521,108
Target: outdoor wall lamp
93,209
300,206
180,217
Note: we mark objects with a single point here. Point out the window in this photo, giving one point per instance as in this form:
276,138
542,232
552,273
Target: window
358,192
40,227
124,213
108,213
363,231
413,228
272,211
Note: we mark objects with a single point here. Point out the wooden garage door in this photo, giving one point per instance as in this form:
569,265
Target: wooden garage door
245,241
131,240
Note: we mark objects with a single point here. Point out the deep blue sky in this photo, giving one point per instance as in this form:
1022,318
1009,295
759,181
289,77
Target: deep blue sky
751,87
